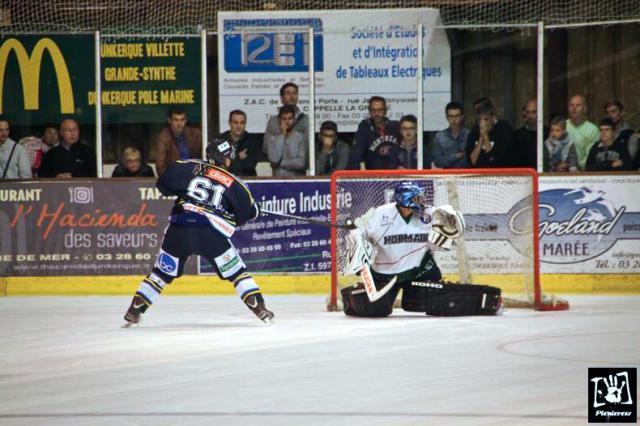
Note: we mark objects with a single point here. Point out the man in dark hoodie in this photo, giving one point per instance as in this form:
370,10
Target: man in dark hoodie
375,139
247,146
609,153
489,142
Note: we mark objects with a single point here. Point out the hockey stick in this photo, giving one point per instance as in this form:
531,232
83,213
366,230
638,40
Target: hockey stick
347,225
369,285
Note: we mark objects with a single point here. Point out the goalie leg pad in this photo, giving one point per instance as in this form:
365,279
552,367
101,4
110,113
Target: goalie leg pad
414,297
356,303
441,299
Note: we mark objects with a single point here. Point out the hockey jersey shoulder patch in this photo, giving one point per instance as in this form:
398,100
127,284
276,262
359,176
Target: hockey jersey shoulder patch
219,176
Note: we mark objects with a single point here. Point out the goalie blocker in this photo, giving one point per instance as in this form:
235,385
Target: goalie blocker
432,298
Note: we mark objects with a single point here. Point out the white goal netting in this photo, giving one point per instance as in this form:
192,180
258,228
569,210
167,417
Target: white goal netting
190,16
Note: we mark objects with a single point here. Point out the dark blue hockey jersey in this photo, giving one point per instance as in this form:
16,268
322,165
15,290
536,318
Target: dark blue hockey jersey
207,194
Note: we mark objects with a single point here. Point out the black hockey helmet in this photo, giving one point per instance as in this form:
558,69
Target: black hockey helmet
218,150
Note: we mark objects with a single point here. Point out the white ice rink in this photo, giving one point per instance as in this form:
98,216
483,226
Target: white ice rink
208,360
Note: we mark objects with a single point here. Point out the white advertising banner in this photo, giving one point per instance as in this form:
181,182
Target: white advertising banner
357,54
590,224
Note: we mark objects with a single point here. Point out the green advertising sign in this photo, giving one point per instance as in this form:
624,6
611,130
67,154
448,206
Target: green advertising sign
143,76
43,77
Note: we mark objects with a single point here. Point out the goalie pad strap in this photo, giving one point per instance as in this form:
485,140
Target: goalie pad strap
442,299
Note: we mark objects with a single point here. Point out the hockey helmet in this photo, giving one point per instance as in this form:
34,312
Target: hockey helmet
218,150
409,194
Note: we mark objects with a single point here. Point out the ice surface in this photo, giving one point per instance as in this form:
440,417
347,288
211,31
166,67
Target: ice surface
208,360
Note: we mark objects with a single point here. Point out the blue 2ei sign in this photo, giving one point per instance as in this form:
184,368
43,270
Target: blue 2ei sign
271,45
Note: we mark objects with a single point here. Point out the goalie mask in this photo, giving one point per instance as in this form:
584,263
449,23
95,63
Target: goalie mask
409,194
218,150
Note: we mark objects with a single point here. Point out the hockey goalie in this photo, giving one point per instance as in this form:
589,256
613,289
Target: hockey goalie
392,248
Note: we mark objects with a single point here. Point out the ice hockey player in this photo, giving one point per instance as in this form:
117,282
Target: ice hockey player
210,204
397,240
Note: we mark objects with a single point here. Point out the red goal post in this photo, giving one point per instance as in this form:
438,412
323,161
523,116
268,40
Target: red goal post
500,245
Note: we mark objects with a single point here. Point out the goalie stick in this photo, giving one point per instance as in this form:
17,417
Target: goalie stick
369,285
347,225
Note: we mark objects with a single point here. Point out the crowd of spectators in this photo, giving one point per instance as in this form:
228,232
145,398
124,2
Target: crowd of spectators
571,143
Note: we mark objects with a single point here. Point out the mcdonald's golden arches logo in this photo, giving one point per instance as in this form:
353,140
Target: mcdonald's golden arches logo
29,66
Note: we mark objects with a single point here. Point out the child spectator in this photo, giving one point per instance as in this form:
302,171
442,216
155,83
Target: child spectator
562,155
132,165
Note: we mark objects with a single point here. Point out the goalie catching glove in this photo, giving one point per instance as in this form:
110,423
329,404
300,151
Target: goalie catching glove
447,225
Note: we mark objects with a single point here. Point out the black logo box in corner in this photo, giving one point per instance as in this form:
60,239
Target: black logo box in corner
613,395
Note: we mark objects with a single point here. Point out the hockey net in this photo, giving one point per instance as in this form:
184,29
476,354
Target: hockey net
500,244
190,16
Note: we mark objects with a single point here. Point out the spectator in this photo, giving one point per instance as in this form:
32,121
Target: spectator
177,141
288,96
609,153
489,142
546,158
375,138
14,161
35,149
615,111
70,158
559,149
287,152
50,135
331,153
583,132
407,151
525,139
247,146
449,144
132,165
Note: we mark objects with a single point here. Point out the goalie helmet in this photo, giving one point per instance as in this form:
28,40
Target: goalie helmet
218,150
409,194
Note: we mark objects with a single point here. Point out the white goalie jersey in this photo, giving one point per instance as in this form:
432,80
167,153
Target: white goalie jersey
398,245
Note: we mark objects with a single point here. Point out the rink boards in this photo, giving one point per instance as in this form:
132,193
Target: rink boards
102,237
286,284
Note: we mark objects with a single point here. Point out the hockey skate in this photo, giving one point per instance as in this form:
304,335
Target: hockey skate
259,309
134,313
